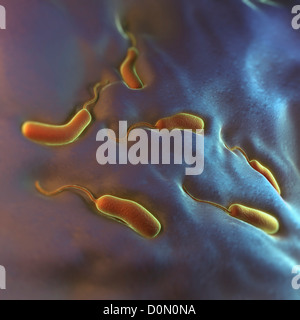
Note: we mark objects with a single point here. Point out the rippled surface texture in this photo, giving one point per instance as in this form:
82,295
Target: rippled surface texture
236,67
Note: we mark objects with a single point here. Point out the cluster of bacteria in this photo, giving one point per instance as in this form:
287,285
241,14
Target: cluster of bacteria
128,212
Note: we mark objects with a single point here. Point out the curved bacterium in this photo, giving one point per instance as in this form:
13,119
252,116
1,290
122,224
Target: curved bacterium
56,135
179,121
127,212
127,68
256,165
256,218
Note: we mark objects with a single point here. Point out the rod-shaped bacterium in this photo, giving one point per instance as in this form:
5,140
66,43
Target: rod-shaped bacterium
57,135
132,213
180,121
128,212
54,135
256,165
256,218
128,70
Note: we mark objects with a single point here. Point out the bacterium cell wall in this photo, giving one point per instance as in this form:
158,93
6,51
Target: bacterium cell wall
231,65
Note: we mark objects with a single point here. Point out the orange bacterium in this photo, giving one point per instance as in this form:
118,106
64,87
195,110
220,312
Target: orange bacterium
127,68
128,212
256,218
56,135
256,165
